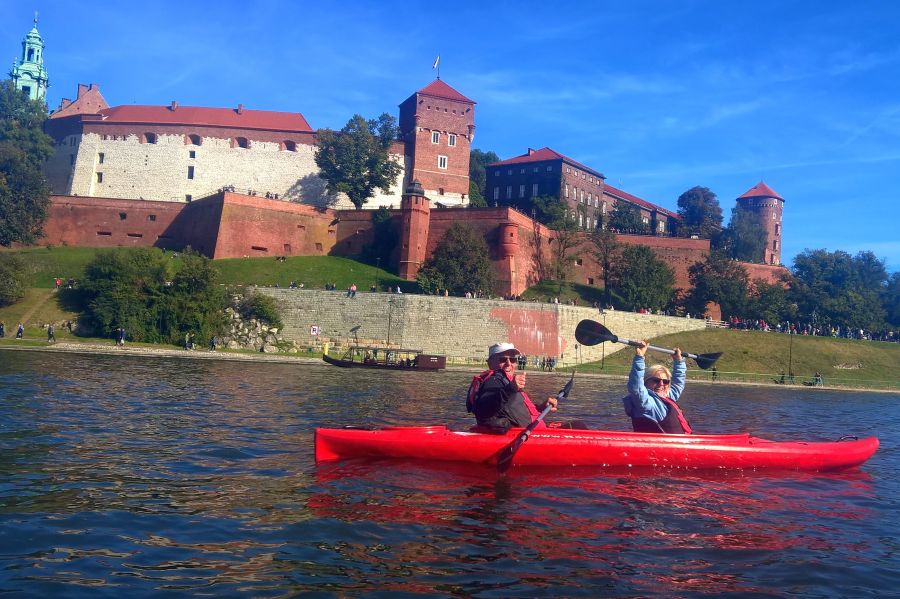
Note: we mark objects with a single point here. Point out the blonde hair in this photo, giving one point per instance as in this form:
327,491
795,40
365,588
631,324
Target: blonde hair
654,371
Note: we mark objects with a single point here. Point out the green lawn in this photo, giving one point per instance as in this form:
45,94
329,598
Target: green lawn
755,356
47,263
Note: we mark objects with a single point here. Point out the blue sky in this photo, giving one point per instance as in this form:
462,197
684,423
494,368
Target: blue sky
657,95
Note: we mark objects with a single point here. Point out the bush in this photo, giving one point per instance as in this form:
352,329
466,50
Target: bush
261,307
14,279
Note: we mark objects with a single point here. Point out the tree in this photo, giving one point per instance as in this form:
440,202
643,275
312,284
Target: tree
891,300
357,161
642,280
606,251
24,192
460,263
566,236
842,290
13,279
626,218
478,161
134,289
699,210
384,238
718,279
745,238
476,199
770,302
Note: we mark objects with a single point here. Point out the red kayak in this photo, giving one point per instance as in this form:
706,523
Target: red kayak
566,447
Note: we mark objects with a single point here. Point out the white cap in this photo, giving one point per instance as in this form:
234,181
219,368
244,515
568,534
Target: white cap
501,348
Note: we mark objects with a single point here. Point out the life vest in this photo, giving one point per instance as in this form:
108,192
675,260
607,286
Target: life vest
674,423
477,380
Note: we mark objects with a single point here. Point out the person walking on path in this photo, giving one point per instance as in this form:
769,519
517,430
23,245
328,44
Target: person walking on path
20,331
51,334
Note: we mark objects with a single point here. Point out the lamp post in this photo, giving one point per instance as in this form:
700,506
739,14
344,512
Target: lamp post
790,355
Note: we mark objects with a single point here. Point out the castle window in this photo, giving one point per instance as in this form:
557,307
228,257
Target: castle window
138,235
289,146
442,162
148,138
521,171
774,244
30,54
567,190
534,189
100,157
509,192
496,193
496,173
104,233
440,191
99,177
151,218
123,215
521,191
194,139
240,142
778,229
71,159
509,172
188,197
535,169
451,139
435,137
192,154
190,172
549,168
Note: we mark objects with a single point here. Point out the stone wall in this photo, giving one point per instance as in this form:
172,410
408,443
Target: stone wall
456,327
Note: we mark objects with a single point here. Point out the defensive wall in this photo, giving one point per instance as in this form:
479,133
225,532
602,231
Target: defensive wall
458,327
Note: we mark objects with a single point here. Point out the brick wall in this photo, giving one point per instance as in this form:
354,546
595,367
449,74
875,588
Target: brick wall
458,327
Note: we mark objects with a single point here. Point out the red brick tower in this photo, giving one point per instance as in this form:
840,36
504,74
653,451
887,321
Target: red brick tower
763,200
437,124
415,213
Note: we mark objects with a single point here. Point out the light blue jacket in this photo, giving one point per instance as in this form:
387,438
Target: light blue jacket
641,401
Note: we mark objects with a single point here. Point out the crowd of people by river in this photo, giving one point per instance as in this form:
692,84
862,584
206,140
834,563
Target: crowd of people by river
812,329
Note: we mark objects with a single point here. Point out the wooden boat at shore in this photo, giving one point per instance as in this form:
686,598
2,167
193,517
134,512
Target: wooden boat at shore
387,358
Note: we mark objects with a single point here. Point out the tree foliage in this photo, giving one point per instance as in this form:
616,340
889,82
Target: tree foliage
356,160
478,161
132,288
744,238
460,263
718,279
606,250
14,279
700,212
642,280
24,192
384,238
892,300
566,236
476,199
626,218
842,290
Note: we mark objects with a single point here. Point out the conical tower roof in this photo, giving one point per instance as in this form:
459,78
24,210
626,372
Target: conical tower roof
761,190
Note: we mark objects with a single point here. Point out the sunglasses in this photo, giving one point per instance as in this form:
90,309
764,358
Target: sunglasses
654,380
511,360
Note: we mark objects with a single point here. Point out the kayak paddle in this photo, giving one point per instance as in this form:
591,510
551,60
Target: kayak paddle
505,457
589,332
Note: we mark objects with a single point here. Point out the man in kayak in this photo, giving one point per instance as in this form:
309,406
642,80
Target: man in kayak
497,396
652,395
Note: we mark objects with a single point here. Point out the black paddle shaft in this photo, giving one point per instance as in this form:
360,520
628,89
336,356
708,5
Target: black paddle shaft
589,332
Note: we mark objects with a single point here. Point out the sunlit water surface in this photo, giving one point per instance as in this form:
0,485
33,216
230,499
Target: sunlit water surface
194,478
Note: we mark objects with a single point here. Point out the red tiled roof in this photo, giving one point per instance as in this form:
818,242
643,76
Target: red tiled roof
439,89
545,154
618,193
761,190
293,122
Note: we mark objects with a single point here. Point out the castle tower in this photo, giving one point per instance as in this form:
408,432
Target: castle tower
437,124
29,74
415,212
769,206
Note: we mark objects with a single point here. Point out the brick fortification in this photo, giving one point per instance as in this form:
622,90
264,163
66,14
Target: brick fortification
459,327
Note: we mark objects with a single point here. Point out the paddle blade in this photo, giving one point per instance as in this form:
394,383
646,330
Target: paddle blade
505,458
591,332
706,361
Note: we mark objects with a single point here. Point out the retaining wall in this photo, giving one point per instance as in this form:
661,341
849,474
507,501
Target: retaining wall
457,327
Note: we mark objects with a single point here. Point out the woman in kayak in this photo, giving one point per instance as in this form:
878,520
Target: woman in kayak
497,396
652,395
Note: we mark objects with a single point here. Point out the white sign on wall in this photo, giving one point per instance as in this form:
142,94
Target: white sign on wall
314,331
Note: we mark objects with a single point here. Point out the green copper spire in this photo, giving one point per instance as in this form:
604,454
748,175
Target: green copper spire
28,72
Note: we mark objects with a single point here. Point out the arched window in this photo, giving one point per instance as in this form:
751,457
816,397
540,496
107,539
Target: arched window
193,139
289,146
148,138
240,142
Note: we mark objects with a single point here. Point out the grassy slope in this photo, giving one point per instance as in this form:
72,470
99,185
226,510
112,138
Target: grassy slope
840,361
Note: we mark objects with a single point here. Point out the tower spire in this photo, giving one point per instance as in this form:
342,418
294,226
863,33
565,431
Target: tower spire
28,73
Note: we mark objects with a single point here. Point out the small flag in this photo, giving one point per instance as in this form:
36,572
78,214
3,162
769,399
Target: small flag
437,62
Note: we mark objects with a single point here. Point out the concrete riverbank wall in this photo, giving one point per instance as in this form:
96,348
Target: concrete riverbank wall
459,328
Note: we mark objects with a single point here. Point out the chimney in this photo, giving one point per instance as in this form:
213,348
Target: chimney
530,151
173,106
240,109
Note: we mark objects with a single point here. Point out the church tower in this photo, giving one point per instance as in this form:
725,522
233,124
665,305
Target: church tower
29,74
437,125
768,206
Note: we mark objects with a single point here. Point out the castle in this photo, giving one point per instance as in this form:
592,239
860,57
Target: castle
233,182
